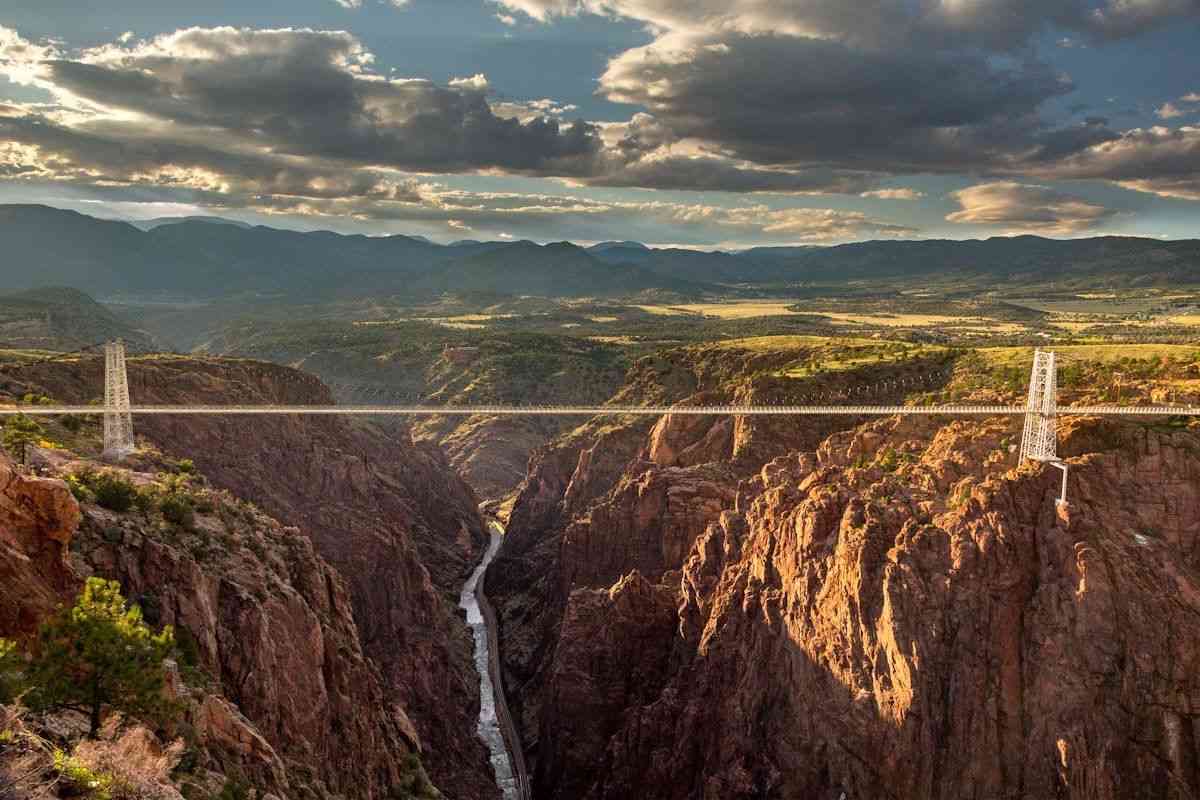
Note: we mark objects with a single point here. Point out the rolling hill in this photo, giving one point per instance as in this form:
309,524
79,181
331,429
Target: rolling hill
61,319
199,259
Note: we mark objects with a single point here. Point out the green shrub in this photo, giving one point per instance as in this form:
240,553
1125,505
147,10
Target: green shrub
113,491
185,466
10,671
414,783
234,789
177,508
72,422
80,489
145,499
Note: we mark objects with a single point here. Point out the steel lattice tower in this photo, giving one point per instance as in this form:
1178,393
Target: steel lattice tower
118,421
1039,442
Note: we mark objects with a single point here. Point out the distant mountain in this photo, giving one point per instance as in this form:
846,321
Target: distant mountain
49,247
1113,260
199,259
57,318
151,224
602,247
561,269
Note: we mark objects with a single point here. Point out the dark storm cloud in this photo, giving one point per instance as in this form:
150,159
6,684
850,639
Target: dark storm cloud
883,86
311,93
1163,161
315,94
782,100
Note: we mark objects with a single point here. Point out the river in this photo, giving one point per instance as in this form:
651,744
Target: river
489,726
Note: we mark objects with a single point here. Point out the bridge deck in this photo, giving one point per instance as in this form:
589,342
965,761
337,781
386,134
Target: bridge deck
722,410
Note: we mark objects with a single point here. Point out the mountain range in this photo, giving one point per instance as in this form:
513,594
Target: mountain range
210,257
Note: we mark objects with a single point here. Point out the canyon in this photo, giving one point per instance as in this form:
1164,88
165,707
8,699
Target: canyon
680,607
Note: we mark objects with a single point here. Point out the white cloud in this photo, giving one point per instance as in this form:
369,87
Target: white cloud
1169,111
894,194
1020,208
507,19
476,83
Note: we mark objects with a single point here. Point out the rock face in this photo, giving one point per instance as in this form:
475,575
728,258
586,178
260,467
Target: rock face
894,610
279,689
388,514
38,517
301,707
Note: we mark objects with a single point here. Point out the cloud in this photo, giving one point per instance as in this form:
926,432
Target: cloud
894,194
506,19
1169,111
785,102
1158,160
316,96
1019,207
476,83
998,24
351,4
312,94
885,87
1191,97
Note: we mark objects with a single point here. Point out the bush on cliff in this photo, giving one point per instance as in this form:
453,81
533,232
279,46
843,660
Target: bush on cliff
113,492
97,655
10,671
107,489
414,782
177,509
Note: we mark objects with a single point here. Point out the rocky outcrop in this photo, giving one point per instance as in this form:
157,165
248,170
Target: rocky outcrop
38,518
274,684
300,707
624,495
388,514
899,612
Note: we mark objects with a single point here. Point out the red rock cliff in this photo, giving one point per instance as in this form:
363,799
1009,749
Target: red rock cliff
391,516
894,610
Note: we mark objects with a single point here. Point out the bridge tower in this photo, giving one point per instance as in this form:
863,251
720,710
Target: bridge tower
1039,442
118,421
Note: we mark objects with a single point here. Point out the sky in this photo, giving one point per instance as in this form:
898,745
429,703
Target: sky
696,123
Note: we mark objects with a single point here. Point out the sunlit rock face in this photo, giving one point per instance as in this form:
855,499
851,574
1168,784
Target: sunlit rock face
899,611
38,518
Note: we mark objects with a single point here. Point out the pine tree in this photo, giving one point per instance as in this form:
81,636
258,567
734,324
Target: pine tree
100,654
21,431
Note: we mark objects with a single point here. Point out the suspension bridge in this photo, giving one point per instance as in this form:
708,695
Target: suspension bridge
1038,441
